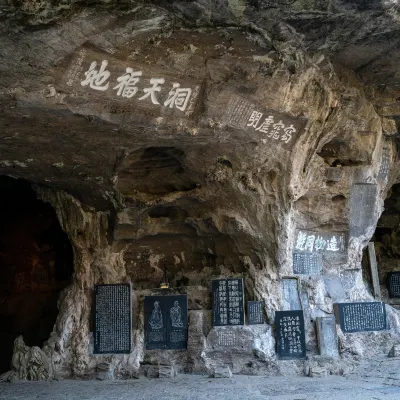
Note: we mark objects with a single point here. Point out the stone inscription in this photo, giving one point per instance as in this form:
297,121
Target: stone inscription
255,312
307,263
320,242
272,126
361,317
112,318
291,299
225,338
374,270
129,85
166,322
327,336
362,207
393,283
228,302
290,335
385,165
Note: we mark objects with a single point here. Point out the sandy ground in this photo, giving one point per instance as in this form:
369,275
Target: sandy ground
195,387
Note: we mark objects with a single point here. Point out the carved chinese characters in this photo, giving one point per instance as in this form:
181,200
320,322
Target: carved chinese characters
324,242
166,322
112,318
290,335
361,317
228,308
393,284
255,312
363,197
122,86
270,126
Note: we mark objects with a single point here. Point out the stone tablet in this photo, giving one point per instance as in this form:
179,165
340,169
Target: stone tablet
361,317
228,302
385,165
291,299
327,337
374,270
290,335
112,318
307,263
255,312
165,319
393,283
362,207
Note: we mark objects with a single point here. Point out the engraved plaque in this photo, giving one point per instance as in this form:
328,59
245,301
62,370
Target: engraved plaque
228,302
255,312
361,317
320,242
270,127
327,337
165,319
307,263
393,282
112,318
290,335
362,207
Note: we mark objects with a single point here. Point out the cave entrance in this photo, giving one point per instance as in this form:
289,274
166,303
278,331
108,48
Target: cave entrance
36,263
387,243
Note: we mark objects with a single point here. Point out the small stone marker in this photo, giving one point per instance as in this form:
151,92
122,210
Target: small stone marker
222,372
112,318
228,302
291,299
255,312
307,263
374,270
395,351
362,207
290,335
165,319
393,283
361,317
327,337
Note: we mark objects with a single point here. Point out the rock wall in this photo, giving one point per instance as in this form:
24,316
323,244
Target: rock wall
138,183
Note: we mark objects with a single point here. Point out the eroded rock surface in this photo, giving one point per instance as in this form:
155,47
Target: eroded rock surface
204,182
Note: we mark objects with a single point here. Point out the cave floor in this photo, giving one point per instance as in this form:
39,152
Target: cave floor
195,387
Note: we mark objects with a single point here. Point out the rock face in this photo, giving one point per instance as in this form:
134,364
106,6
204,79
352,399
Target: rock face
211,137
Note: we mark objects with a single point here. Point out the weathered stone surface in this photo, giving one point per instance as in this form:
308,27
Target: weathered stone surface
222,372
395,351
166,371
209,190
104,371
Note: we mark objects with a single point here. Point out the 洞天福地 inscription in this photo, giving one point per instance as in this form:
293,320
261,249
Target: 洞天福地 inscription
127,86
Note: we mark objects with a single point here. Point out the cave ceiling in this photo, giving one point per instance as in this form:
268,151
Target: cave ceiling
111,152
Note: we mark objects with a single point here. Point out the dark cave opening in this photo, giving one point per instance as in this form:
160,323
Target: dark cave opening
36,263
387,243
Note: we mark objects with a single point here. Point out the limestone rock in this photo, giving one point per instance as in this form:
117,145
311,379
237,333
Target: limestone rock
166,371
395,351
222,372
29,363
104,371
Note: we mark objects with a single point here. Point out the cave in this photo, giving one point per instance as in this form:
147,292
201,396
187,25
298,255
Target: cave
36,264
387,244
